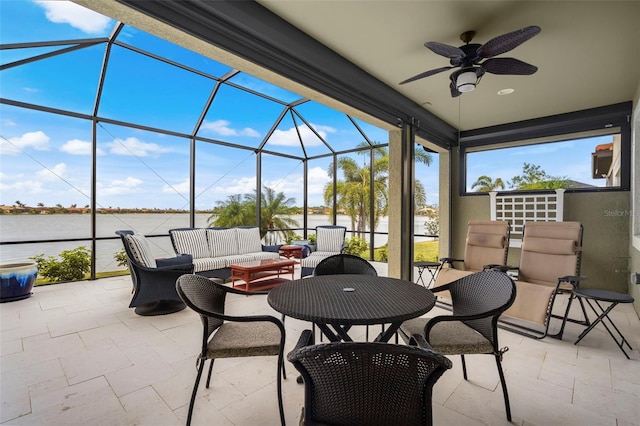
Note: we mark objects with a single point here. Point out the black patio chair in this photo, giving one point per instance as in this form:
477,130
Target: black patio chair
227,336
478,300
154,280
345,264
364,383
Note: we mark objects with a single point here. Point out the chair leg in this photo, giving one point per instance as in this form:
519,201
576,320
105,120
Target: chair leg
507,406
464,367
195,390
209,375
279,383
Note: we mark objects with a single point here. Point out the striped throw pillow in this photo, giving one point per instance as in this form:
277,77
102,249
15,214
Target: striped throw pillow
249,240
330,239
192,241
140,250
222,242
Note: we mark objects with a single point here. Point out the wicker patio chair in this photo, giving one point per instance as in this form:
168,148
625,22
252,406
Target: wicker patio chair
154,280
478,301
329,241
340,264
226,336
365,383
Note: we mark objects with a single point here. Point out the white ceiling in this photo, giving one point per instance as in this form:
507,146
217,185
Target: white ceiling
588,52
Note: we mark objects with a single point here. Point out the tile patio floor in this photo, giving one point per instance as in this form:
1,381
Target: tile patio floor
75,354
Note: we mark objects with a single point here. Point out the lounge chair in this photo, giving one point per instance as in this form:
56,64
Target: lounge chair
549,265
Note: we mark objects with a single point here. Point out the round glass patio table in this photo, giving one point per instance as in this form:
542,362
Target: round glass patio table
337,302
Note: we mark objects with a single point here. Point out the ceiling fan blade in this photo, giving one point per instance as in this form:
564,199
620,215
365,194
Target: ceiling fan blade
425,74
510,66
506,42
445,50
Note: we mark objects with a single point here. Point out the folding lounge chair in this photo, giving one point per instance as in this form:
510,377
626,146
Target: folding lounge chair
487,244
549,265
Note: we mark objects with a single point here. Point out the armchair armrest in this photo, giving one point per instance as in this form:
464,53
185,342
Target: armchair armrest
275,248
183,260
501,268
305,339
574,280
420,341
450,260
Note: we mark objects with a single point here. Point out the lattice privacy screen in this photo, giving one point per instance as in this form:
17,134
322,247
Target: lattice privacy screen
518,209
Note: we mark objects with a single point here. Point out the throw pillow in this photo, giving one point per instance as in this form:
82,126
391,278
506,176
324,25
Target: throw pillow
192,241
249,240
140,250
222,242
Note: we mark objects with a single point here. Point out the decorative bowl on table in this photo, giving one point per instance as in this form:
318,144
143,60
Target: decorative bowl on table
17,280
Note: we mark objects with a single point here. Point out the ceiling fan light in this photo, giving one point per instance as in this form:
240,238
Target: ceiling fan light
466,81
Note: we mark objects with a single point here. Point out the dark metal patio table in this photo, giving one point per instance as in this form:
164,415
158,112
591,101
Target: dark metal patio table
337,302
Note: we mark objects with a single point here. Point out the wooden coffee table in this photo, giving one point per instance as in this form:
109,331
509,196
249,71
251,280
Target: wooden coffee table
264,273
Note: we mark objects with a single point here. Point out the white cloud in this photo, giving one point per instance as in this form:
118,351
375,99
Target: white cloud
180,187
221,127
30,89
290,137
52,174
37,140
122,186
243,185
293,184
66,12
78,147
133,146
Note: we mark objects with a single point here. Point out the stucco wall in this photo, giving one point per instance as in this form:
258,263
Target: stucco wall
605,217
634,251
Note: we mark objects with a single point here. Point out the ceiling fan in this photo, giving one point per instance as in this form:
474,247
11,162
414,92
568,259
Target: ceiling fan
468,57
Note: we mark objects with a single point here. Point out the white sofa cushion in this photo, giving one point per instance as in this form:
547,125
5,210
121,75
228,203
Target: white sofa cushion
209,264
140,250
192,241
249,240
330,239
222,242
314,258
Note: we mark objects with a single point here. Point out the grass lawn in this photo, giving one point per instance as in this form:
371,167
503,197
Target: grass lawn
422,251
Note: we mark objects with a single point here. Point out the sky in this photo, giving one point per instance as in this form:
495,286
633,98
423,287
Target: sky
47,158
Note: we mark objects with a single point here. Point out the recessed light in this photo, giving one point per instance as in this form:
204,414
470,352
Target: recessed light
505,92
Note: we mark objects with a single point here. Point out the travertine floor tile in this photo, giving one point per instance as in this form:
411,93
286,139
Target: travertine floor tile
75,354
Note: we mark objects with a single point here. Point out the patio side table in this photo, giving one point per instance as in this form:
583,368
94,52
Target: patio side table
612,297
431,267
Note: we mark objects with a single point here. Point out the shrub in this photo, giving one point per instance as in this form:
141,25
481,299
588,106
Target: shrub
121,259
355,246
382,254
313,239
73,265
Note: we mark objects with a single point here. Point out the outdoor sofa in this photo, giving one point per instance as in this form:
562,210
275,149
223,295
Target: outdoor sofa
214,249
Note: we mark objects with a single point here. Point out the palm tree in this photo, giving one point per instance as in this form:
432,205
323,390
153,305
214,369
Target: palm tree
240,210
486,184
353,191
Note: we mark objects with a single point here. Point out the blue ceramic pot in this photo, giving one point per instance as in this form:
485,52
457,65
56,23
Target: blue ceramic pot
17,280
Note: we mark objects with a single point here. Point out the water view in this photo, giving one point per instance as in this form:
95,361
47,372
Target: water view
74,226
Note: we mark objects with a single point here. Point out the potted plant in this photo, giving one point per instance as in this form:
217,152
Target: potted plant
17,280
